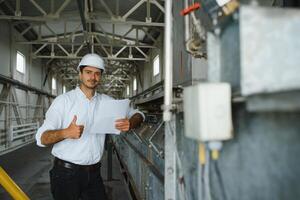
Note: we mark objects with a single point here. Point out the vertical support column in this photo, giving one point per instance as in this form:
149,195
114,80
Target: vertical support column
38,109
40,32
130,52
65,30
42,109
92,41
136,35
15,106
113,31
12,53
18,5
52,50
4,95
29,67
117,8
148,6
6,124
170,120
72,39
170,159
9,120
27,120
168,61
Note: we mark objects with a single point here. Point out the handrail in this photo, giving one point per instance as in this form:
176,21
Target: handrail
156,149
11,187
26,129
23,86
151,166
137,136
154,87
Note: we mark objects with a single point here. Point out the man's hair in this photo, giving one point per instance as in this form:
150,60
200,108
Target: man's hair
83,66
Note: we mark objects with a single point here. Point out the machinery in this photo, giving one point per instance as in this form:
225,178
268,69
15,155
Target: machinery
222,113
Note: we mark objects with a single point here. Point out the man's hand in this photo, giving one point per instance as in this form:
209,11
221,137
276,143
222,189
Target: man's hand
73,131
122,124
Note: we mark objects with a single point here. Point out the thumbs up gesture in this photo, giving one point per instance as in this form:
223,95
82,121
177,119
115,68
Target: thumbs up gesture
74,131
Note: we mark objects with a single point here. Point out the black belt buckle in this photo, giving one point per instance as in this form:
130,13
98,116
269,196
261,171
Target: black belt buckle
64,164
69,165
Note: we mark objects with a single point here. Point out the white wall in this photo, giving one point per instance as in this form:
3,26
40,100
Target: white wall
4,48
146,70
35,68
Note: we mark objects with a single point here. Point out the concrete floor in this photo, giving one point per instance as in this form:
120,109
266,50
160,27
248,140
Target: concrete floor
29,167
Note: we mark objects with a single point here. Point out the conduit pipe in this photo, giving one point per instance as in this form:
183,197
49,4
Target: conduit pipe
168,61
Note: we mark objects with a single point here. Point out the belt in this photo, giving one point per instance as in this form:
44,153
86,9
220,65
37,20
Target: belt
70,165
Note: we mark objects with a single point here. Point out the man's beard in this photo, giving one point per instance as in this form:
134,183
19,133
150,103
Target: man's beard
95,84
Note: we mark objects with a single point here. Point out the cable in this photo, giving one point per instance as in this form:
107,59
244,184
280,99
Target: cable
220,179
206,177
202,160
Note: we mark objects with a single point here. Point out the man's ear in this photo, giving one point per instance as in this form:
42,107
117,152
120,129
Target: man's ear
80,76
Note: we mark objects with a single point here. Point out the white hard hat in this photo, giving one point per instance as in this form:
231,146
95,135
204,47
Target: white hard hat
92,60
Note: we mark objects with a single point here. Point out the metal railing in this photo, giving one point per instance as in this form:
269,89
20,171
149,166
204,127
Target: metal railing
18,130
23,130
11,187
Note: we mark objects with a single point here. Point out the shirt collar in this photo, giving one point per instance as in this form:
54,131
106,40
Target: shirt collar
82,95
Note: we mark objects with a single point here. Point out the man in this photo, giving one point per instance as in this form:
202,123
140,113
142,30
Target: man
76,170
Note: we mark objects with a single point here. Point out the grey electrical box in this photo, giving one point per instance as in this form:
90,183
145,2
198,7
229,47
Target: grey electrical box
207,111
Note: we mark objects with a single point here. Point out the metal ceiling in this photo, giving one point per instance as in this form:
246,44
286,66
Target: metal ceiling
62,31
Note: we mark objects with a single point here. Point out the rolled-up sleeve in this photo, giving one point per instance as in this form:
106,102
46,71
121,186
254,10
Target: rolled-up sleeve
53,119
133,111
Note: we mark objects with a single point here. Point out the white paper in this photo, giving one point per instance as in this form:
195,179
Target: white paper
105,115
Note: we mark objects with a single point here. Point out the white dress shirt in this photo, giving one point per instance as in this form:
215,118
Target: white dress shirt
88,149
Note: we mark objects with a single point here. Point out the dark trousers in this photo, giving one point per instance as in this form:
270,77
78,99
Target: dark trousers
76,183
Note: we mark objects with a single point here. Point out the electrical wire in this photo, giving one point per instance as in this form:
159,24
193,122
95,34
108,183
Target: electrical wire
201,165
220,179
206,177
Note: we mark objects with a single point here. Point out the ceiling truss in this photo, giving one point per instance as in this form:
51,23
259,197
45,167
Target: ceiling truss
90,34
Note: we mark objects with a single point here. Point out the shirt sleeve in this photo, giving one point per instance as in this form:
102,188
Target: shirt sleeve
53,119
133,111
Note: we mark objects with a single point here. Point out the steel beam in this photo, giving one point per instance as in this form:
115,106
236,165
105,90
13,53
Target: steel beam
108,21
43,46
126,22
170,184
120,51
79,57
107,9
142,52
26,30
150,36
134,8
20,85
155,2
80,33
38,7
62,7
4,95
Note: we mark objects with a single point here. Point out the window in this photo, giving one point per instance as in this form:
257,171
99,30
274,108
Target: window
156,65
20,62
53,86
134,84
64,89
127,90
